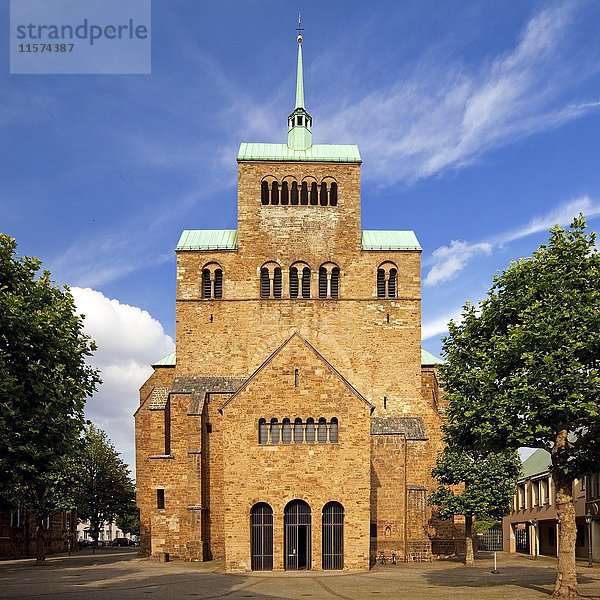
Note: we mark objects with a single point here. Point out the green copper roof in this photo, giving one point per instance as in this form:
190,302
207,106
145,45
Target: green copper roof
226,239
390,240
538,463
208,239
340,153
166,361
299,80
430,359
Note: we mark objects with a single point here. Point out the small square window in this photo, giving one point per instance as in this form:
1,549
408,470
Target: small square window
160,499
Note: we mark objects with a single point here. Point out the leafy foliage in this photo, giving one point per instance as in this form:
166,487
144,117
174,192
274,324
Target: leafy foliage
523,365
101,483
475,484
523,369
129,520
44,382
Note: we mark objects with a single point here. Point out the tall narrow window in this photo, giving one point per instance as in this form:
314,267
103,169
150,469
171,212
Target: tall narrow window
274,193
310,430
286,431
293,282
304,193
333,430
392,283
322,282
380,283
314,193
323,194
263,433
265,283
335,282
294,192
264,192
285,193
333,194
306,282
206,284
218,283
298,431
160,498
277,284
274,431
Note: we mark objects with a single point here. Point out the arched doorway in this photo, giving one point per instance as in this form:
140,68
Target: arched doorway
297,535
261,536
333,536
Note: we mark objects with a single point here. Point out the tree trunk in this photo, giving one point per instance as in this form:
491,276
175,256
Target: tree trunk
41,545
566,578
469,555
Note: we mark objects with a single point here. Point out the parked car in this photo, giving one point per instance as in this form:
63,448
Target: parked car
122,542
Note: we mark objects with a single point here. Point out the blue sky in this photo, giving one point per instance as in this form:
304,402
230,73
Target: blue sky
478,124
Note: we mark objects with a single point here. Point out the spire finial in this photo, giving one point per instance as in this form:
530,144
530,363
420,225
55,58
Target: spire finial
299,29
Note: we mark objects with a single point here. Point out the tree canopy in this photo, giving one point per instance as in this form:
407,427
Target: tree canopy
44,382
522,368
101,484
475,485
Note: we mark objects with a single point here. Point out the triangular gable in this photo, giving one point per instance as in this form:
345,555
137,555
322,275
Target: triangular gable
276,352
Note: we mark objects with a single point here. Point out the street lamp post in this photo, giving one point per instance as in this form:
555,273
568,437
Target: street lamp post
588,520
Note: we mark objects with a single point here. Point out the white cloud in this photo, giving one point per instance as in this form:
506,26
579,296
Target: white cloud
563,215
449,261
445,116
435,327
129,340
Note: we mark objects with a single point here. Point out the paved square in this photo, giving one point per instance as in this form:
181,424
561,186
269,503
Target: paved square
121,574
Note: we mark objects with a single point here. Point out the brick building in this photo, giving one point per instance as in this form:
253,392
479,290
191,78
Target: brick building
532,526
297,424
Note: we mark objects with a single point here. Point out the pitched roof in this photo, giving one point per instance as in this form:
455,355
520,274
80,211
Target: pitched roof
166,361
428,359
339,153
539,463
198,387
227,239
390,240
277,351
207,239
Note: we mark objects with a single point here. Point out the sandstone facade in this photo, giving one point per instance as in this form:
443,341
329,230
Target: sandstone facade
292,432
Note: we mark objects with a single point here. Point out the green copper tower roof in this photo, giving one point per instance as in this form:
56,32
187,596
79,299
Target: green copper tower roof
299,78
299,147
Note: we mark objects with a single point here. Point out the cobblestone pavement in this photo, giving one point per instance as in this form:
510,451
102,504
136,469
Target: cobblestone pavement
120,574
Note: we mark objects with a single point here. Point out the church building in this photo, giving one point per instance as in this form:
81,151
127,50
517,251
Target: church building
297,423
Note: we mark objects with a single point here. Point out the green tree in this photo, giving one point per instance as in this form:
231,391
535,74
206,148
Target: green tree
44,382
129,520
102,486
522,369
476,485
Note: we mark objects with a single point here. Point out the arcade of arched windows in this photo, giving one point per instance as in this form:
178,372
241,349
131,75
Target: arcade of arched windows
290,192
299,280
286,431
